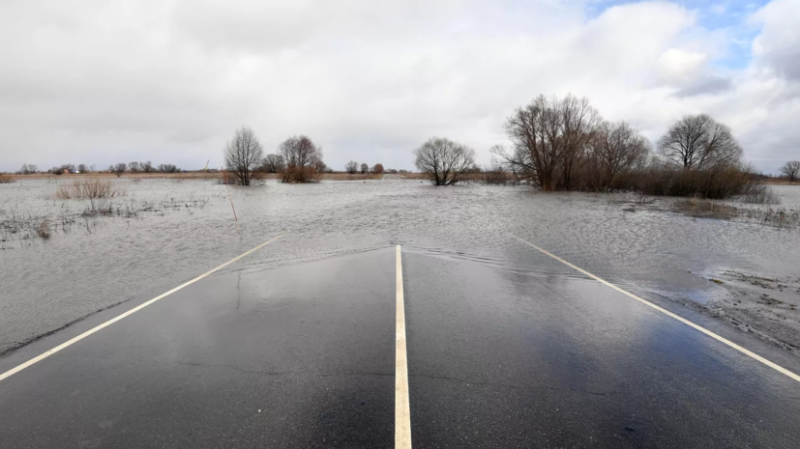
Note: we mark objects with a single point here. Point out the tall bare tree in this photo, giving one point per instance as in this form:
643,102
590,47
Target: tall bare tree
550,137
243,154
351,167
791,170
444,160
698,142
364,168
302,156
579,122
274,163
616,149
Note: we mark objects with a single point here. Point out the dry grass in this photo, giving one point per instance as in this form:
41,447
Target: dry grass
6,179
423,176
780,182
776,217
89,188
703,208
349,177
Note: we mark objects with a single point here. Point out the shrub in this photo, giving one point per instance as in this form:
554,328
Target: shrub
495,176
43,230
300,174
88,189
720,182
760,194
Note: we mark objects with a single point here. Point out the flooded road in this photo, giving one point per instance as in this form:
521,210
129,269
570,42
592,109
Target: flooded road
293,345
188,226
302,355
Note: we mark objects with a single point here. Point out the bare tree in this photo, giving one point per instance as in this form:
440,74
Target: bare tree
616,149
133,167
300,151
147,167
364,168
444,160
698,142
28,169
243,154
322,167
274,163
83,168
791,170
377,169
351,167
550,138
579,122
302,157
119,169
168,168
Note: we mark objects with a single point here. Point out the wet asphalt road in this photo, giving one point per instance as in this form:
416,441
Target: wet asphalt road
303,356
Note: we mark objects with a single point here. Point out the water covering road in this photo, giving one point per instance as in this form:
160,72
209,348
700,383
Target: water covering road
303,356
103,261
293,346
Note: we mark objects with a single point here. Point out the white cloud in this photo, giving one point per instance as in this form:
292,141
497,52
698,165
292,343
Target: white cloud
113,80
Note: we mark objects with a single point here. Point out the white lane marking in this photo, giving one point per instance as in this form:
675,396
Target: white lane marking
719,338
80,337
402,410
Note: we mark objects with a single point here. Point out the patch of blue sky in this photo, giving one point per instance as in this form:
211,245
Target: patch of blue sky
729,16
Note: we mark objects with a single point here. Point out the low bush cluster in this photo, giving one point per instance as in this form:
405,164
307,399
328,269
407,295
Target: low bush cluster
88,189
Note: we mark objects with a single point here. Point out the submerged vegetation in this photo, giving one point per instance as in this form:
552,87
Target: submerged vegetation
704,208
23,226
564,144
89,188
303,159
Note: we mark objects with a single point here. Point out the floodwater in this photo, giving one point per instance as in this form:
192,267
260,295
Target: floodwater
167,231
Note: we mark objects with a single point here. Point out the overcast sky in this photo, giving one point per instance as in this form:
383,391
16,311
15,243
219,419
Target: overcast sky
104,81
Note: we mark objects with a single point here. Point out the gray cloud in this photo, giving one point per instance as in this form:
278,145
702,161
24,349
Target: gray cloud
104,81
778,46
705,86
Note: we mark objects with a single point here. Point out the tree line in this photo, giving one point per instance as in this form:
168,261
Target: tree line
353,168
118,169
298,159
565,144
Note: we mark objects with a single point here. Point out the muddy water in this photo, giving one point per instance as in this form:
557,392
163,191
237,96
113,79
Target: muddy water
187,227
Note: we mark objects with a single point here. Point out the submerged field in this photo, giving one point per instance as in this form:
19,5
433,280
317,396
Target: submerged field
159,232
